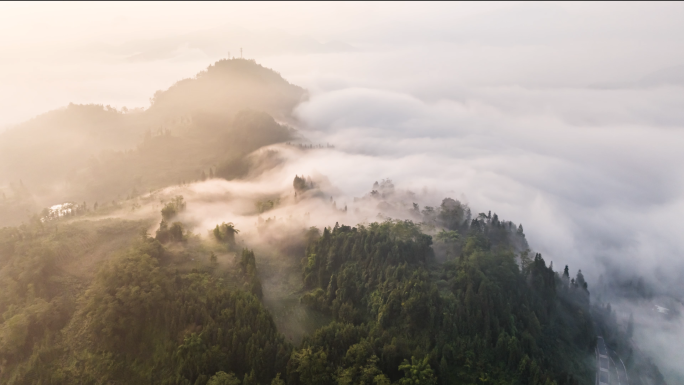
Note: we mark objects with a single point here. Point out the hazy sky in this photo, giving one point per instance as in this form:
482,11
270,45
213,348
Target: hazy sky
119,54
567,117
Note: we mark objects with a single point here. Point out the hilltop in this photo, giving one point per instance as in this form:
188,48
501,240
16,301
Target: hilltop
98,153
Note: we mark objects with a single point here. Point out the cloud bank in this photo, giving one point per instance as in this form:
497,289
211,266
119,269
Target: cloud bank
567,118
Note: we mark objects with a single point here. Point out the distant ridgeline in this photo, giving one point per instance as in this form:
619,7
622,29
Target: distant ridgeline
199,127
102,302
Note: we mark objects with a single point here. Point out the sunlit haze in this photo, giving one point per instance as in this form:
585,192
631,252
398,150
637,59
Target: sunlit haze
567,118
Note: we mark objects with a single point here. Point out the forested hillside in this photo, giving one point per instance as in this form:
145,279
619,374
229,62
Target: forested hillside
96,301
144,317
477,317
97,153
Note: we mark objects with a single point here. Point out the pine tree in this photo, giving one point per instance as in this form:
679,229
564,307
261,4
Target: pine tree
250,379
277,380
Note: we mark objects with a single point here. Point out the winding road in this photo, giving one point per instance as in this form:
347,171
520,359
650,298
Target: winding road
608,371
602,363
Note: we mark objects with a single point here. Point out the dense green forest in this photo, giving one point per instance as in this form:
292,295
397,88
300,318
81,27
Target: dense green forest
477,317
102,302
143,317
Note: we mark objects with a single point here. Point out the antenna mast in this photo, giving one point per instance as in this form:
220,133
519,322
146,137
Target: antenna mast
240,52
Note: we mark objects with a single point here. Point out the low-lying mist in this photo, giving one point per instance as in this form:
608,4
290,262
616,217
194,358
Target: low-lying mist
593,188
564,118
345,189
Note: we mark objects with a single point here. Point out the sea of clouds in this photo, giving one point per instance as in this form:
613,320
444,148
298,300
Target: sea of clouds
566,118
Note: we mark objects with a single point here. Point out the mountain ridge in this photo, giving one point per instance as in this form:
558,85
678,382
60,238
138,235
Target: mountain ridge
53,153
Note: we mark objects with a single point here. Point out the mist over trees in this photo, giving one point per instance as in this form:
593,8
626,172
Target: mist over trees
147,314
91,293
